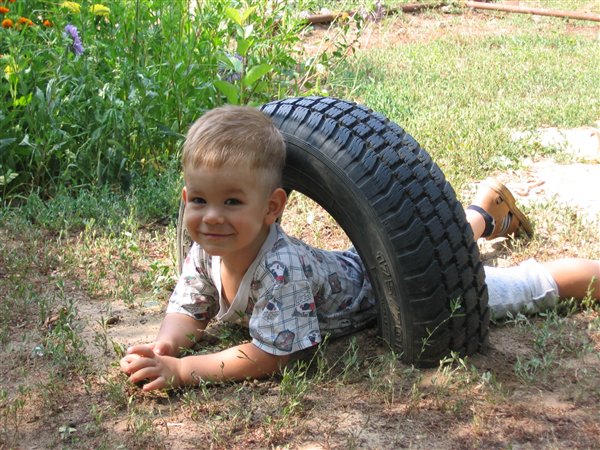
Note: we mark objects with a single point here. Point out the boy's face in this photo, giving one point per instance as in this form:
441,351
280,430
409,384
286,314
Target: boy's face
229,210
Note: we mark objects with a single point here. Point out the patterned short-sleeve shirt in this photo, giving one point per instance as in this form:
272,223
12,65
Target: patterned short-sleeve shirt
291,295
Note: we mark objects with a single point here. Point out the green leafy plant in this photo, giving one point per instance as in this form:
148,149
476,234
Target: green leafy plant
102,93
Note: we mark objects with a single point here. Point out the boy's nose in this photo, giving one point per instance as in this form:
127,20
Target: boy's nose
212,216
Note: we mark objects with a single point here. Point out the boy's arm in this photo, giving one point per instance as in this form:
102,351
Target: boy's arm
175,333
234,364
178,331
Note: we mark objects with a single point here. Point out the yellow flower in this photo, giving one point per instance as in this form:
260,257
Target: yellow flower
74,7
10,69
100,10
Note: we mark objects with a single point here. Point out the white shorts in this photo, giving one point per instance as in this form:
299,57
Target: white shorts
527,288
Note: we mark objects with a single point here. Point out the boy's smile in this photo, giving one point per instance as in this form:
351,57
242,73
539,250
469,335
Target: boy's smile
229,210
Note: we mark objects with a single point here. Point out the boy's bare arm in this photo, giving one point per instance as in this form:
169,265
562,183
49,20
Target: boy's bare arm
245,361
238,363
178,331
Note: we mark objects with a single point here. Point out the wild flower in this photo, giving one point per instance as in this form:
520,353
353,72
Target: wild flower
4,10
11,67
76,47
74,7
47,23
25,21
100,10
7,23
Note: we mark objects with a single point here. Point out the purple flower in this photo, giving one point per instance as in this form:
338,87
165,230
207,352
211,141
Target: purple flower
77,46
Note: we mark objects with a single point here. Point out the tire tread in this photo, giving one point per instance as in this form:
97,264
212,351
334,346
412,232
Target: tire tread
417,210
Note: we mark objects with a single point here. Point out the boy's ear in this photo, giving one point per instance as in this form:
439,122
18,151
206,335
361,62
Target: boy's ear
277,201
184,195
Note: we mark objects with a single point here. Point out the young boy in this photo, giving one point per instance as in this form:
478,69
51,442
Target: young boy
244,268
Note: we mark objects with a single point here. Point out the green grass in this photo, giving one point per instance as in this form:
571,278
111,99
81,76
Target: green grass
461,96
151,197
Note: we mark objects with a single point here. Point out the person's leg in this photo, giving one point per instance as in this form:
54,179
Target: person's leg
494,212
476,221
532,287
576,277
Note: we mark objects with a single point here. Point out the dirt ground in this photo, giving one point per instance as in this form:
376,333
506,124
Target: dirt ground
537,385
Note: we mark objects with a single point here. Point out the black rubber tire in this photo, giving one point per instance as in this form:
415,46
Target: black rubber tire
402,216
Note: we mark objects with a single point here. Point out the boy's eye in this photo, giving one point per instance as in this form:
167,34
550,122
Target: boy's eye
232,201
198,200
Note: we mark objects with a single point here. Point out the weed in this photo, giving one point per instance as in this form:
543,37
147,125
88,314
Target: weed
293,388
534,368
594,324
192,401
383,376
63,343
353,441
518,320
589,303
552,339
144,433
457,384
159,277
455,311
101,338
116,393
11,412
306,220
51,391
350,361
340,365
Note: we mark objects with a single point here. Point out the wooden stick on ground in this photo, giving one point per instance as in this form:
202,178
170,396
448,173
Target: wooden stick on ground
415,7
536,11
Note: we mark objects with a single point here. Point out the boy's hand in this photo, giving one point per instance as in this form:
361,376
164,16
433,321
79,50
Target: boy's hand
162,347
143,362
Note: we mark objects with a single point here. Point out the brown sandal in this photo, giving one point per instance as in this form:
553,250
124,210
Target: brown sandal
500,211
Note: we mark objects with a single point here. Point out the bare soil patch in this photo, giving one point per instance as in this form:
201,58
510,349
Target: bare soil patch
427,26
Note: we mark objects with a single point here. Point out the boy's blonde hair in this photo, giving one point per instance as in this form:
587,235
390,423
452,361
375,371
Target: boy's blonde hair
233,135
